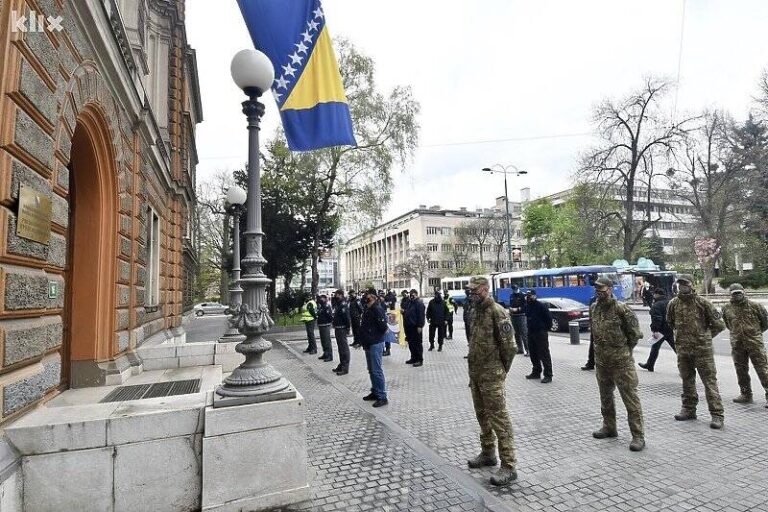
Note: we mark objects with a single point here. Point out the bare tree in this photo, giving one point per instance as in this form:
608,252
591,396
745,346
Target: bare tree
497,229
460,248
416,265
708,179
635,136
479,231
213,230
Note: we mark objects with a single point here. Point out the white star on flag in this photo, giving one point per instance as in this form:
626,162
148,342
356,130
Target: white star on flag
307,36
318,13
301,47
289,70
282,83
296,58
276,95
312,25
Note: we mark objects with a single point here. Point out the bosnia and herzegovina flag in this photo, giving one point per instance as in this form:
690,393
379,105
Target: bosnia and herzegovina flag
307,87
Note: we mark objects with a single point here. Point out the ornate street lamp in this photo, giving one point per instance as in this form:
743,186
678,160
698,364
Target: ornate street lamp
235,200
506,170
254,380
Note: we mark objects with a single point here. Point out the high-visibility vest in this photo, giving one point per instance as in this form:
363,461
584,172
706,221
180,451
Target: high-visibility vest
306,316
449,305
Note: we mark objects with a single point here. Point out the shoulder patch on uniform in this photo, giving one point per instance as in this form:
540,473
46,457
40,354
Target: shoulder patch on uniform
716,314
506,328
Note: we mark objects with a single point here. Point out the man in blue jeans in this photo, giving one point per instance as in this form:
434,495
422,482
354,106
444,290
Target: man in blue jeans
373,327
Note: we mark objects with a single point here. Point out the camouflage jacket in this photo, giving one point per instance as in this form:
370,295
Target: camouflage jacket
615,331
492,341
695,321
747,320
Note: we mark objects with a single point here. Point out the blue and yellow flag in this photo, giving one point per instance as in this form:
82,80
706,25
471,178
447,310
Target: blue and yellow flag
307,87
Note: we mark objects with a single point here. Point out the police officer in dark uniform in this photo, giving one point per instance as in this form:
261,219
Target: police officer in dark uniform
517,309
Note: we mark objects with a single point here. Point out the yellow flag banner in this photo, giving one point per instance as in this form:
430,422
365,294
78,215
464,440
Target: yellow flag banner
395,324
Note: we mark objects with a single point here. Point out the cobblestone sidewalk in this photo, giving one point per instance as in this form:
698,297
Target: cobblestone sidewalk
411,455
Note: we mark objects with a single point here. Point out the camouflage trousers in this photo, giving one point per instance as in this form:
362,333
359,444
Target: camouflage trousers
701,359
488,397
624,377
743,352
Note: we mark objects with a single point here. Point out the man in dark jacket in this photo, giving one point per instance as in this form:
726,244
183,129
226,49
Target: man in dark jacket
413,322
466,310
386,304
539,322
390,299
324,323
437,314
659,327
373,326
355,314
517,309
403,300
341,325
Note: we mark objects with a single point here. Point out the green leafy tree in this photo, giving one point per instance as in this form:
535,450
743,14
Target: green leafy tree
355,183
539,218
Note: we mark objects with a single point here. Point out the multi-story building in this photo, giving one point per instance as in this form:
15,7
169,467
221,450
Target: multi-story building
675,216
327,270
372,257
99,101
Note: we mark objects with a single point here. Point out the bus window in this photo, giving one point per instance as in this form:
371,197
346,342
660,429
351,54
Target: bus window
529,281
504,283
545,281
464,284
519,281
558,281
449,285
575,280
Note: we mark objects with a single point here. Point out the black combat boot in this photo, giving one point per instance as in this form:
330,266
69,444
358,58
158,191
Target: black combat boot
743,399
604,433
716,423
685,415
637,444
482,460
504,476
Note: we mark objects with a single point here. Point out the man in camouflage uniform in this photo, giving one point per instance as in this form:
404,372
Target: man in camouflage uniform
491,350
695,322
747,321
615,332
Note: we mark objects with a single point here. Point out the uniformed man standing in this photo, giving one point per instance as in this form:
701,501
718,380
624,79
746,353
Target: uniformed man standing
309,317
491,350
747,321
695,322
450,305
615,332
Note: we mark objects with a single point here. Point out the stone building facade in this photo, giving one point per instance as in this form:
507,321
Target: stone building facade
99,100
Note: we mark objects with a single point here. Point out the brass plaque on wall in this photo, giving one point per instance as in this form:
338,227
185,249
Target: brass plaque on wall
33,220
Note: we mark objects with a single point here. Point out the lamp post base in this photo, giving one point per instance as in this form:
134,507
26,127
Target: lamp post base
224,397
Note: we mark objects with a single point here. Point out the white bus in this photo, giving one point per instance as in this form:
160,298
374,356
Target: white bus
455,287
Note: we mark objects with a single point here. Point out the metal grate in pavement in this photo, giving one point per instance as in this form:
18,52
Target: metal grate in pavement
157,390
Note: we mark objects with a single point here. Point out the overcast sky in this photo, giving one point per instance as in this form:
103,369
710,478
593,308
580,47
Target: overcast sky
501,81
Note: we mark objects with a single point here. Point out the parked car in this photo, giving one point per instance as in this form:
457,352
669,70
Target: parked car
210,308
566,310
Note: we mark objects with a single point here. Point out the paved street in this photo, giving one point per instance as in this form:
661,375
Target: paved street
411,454
205,328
